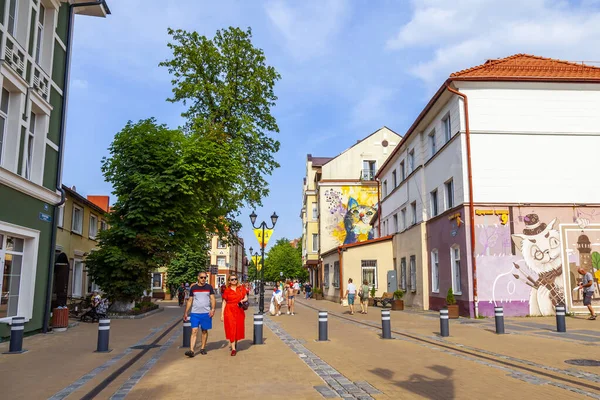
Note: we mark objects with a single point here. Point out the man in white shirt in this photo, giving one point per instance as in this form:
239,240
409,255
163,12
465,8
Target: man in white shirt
587,284
350,295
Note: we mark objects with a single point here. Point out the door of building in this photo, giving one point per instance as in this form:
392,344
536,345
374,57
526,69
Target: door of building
220,281
392,281
61,281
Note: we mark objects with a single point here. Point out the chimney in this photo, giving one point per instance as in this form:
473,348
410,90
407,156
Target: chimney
73,188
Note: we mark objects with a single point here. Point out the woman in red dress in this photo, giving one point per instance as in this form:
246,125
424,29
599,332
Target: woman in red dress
232,314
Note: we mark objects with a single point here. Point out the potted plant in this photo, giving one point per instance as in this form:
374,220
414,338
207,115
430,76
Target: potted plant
398,303
372,293
451,305
168,295
318,293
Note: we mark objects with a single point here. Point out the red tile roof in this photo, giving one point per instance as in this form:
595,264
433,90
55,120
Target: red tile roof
529,67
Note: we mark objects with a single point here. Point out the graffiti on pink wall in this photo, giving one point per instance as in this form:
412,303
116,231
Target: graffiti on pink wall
520,259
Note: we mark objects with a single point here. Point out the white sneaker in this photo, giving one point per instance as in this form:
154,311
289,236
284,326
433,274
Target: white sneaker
293,314
288,313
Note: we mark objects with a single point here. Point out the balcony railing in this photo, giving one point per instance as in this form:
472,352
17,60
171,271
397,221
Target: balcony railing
41,83
14,56
367,174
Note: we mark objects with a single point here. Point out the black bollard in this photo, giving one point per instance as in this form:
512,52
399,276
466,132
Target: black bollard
187,334
258,329
561,322
103,336
386,325
499,314
444,325
322,326
17,328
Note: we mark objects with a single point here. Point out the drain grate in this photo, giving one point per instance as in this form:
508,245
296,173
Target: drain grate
584,363
145,346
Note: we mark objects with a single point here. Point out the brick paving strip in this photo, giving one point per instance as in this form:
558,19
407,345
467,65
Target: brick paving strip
93,373
124,390
337,384
511,372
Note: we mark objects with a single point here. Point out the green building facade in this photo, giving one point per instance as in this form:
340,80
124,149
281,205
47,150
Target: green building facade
35,38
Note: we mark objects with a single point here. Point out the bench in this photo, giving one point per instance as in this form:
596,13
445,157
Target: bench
385,300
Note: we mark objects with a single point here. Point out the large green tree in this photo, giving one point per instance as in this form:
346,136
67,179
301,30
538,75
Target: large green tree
283,257
185,265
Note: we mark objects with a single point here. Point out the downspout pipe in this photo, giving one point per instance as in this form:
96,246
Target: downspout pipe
378,208
341,282
470,183
61,154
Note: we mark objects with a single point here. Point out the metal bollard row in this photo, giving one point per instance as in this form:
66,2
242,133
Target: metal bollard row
444,324
187,334
561,321
258,329
499,316
17,329
103,336
322,326
386,325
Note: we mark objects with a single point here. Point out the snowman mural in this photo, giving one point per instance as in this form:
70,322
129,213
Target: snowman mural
540,246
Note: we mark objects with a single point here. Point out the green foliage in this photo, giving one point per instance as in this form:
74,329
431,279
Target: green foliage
398,294
372,291
317,291
228,89
283,257
596,260
252,271
450,300
186,264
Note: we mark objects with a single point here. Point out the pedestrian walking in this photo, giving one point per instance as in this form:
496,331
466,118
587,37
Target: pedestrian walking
291,293
350,295
587,284
235,301
363,295
181,294
308,290
276,300
202,303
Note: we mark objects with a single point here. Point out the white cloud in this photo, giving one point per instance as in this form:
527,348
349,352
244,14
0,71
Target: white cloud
308,28
465,33
372,108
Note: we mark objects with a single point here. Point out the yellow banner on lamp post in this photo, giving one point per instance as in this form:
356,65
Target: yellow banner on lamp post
263,241
257,262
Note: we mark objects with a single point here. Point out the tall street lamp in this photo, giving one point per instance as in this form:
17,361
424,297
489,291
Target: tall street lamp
263,226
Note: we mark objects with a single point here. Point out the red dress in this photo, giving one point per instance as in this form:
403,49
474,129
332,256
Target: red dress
234,316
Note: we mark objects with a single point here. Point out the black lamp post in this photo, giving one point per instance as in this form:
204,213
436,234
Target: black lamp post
263,225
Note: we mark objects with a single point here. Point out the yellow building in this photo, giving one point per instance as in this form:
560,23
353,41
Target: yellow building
79,221
225,259
340,197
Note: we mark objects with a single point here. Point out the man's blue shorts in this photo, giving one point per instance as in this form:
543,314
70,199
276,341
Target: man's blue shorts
204,321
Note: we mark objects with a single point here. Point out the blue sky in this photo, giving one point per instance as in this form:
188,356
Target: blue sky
348,68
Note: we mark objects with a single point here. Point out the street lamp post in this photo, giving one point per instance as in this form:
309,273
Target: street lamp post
263,226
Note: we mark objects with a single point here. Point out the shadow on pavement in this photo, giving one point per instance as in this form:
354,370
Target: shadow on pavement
439,386
216,345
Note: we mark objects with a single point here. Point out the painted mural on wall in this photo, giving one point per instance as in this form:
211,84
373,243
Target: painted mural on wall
349,211
526,258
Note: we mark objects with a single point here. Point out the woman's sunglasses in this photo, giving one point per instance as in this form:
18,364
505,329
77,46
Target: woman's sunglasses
233,279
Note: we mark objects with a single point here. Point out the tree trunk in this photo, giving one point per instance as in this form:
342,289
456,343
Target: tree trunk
122,306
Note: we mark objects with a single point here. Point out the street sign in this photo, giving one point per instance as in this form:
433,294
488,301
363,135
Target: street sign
280,273
45,217
214,269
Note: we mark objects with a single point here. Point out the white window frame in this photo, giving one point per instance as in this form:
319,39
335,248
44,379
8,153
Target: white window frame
385,188
413,208
326,275
447,123
4,116
92,235
40,34
455,268
80,231
221,244
28,268
434,208
432,143
315,211
413,273
369,265
315,242
449,186
77,264
28,147
336,274
394,179
435,271
224,264
396,223
161,280
403,273
403,218
61,216
12,28
103,225
411,161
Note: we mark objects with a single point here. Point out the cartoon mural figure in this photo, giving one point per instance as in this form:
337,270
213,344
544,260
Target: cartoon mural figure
356,222
540,246
351,209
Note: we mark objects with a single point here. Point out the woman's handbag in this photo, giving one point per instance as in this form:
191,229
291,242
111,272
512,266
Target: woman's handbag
243,305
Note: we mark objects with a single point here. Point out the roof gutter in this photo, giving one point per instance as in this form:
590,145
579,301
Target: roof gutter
61,154
470,183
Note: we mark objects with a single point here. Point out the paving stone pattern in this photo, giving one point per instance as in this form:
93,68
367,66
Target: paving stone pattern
337,384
